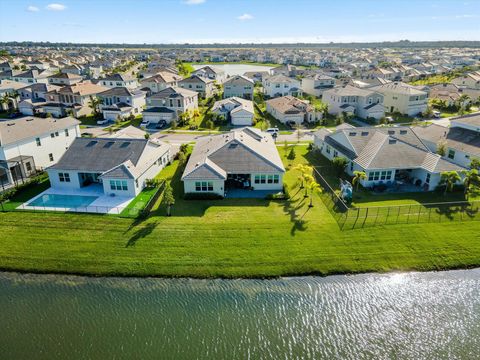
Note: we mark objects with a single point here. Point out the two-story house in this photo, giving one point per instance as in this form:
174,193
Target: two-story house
205,87
119,80
30,144
403,98
281,85
121,102
239,86
211,73
316,84
364,103
160,81
64,79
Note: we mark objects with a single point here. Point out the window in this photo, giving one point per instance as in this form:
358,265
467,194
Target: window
50,156
328,149
56,133
451,154
276,179
28,166
124,185
204,186
335,153
263,179
427,179
52,135
39,143
64,177
257,179
270,179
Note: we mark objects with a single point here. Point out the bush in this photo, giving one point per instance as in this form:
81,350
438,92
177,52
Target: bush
10,193
292,155
282,195
202,196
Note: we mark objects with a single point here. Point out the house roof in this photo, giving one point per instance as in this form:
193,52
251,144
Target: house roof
289,105
349,90
83,89
238,103
28,127
197,79
399,88
118,77
121,91
245,150
173,92
64,76
163,77
239,79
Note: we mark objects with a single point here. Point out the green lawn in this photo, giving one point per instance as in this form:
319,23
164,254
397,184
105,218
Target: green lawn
229,238
138,204
26,194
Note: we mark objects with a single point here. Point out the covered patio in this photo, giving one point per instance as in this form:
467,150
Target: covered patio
16,170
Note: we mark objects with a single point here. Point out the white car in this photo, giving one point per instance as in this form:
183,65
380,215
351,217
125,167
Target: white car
102,122
437,114
272,130
144,123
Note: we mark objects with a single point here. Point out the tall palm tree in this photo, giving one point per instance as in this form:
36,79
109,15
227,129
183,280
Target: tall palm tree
312,186
357,177
471,180
449,179
462,101
94,104
305,171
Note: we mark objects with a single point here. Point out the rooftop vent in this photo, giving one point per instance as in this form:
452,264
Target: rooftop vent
403,132
232,146
364,133
391,132
392,141
352,133
10,124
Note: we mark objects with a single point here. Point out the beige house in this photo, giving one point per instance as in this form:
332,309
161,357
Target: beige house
204,86
290,110
176,99
403,98
160,81
469,81
239,86
239,111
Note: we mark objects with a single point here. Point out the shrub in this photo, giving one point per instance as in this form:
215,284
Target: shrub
292,155
282,195
202,196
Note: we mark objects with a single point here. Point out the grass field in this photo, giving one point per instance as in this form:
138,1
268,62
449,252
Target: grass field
229,238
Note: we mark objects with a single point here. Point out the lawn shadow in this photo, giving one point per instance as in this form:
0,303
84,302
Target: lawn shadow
291,208
140,233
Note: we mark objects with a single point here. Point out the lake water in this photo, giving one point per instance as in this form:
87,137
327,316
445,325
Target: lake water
236,69
393,316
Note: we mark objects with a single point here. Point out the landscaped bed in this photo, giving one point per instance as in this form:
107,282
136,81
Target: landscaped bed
229,238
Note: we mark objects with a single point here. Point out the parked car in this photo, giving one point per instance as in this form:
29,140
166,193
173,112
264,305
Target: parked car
437,114
161,124
390,119
144,123
102,122
273,130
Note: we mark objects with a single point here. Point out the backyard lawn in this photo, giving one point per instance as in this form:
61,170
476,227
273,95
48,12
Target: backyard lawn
229,238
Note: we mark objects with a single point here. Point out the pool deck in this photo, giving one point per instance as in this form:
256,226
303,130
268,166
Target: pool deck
102,205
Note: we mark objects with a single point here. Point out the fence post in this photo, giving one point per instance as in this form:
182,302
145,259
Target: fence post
376,217
388,214
408,217
398,215
366,216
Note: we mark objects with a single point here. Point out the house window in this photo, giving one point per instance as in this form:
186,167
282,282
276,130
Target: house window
257,179
50,156
335,153
52,135
270,179
427,179
328,149
204,186
263,179
124,185
276,179
39,143
451,154
28,166
179,103
64,177
56,133
66,132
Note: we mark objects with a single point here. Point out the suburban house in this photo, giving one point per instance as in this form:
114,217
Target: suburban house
204,86
121,102
211,73
169,103
30,144
160,81
245,158
31,76
290,110
469,81
364,103
119,166
403,98
239,86
8,91
119,80
390,156
449,93
64,79
461,140
316,84
281,85
239,111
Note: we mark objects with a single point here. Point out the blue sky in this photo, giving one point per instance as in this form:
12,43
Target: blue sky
233,21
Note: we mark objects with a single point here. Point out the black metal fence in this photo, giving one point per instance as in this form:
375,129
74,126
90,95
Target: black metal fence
360,217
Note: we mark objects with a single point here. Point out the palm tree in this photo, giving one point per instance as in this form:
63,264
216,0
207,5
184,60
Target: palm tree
94,104
462,101
313,186
471,180
449,179
168,198
357,177
305,171
4,101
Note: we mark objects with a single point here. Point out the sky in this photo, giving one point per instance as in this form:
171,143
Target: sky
238,21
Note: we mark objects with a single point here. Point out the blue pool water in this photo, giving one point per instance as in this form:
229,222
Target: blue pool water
66,201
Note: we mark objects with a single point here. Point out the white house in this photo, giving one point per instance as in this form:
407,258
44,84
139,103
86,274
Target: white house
211,73
120,165
204,86
239,111
316,84
176,100
64,79
245,158
121,102
30,144
364,103
239,86
389,156
281,85
160,81
119,80
288,109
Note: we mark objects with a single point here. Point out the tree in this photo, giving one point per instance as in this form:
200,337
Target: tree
285,147
339,119
292,155
463,102
449,179
147,136
184,148
313,186
471,181
305,171
174,124
357,177
442,148
168,198
209,124
475,164
340,164
94,104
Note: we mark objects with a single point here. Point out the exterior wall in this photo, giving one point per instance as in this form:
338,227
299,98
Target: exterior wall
459,157
405,104
57,184
112,115
242,89
186,104
131,191
274,89
283,118
359,103
267,186
156,117
316,87
218,186
55,146
242,118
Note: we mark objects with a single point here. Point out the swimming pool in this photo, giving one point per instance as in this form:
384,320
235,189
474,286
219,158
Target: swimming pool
62,201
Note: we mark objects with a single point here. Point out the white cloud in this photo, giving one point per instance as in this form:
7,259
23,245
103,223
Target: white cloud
194,2
56,7
33,8
245,17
